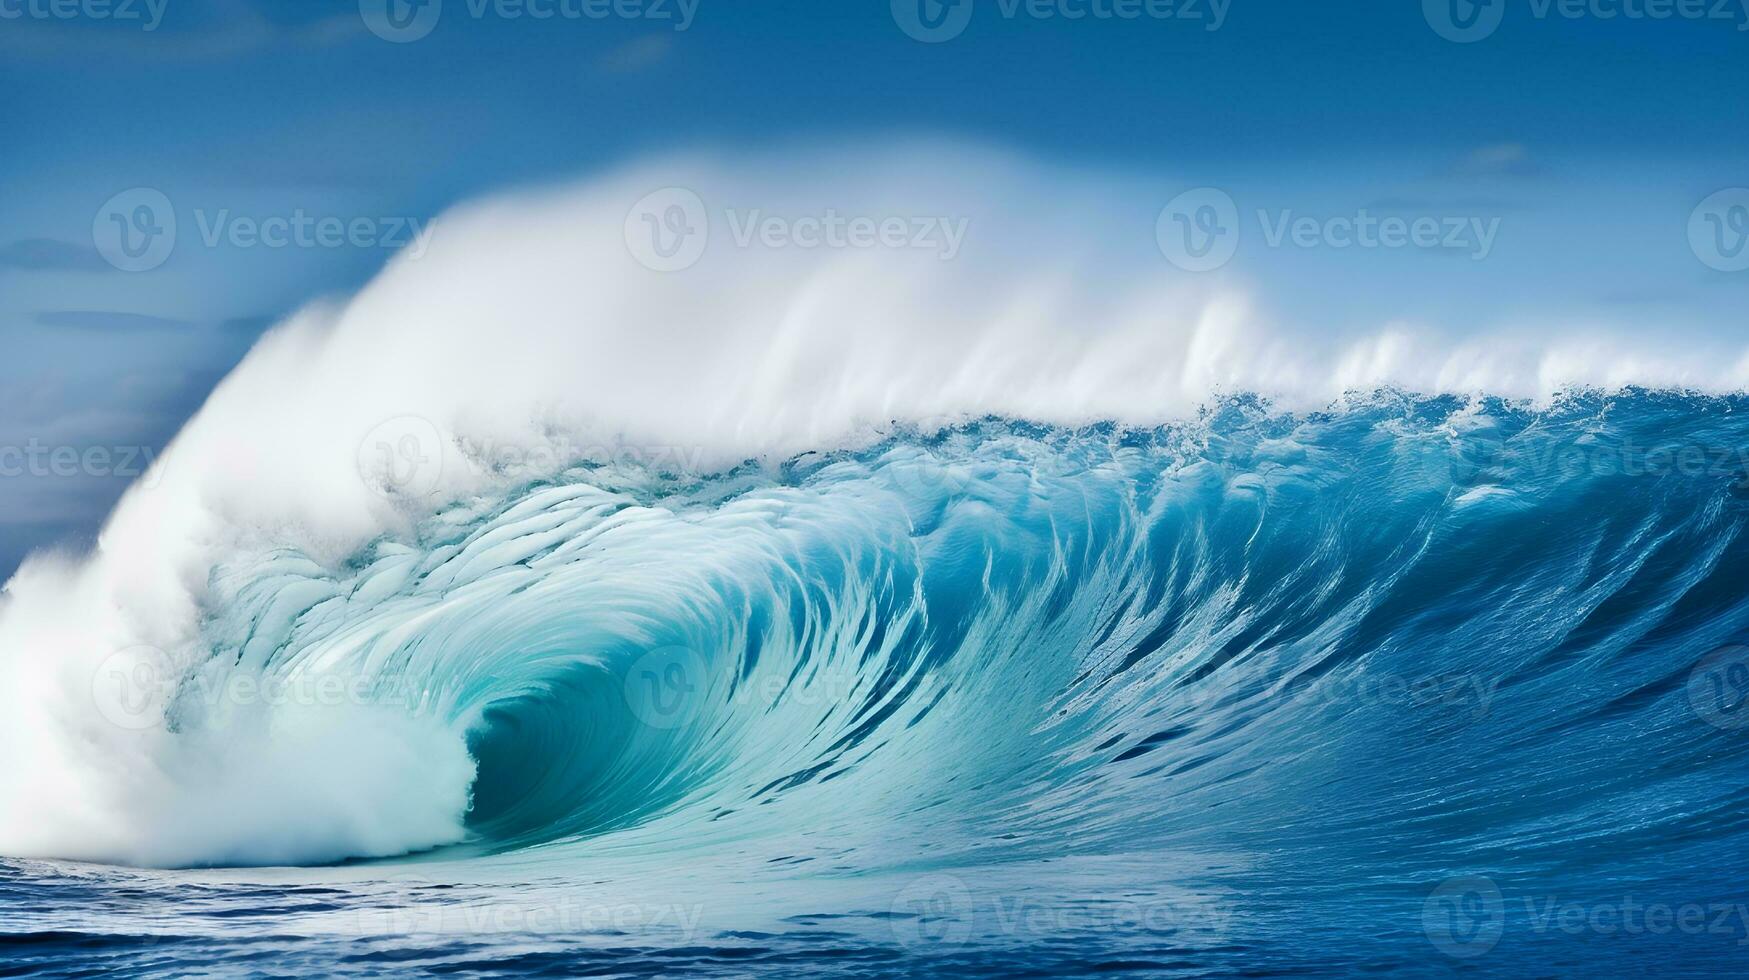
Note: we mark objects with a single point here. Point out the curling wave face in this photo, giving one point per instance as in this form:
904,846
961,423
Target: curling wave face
895,601
1412,641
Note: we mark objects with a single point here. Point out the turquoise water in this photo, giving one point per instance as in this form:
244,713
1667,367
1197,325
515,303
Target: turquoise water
1422,685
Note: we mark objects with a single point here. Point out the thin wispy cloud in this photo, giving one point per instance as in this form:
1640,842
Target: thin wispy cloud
247,324
101,320
1498,160
638,55
51,255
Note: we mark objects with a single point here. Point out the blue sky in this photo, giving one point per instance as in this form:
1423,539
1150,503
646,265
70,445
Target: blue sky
1589,130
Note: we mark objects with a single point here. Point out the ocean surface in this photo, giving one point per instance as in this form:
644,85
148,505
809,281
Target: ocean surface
1412,685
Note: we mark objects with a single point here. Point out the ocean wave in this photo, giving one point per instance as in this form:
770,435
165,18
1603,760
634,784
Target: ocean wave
856,557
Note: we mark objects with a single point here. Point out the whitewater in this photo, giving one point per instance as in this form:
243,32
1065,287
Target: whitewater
805,607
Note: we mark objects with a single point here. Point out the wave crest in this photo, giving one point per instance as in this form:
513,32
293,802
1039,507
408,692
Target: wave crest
785,479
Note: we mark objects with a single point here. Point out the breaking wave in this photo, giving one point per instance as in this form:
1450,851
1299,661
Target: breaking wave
813,561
